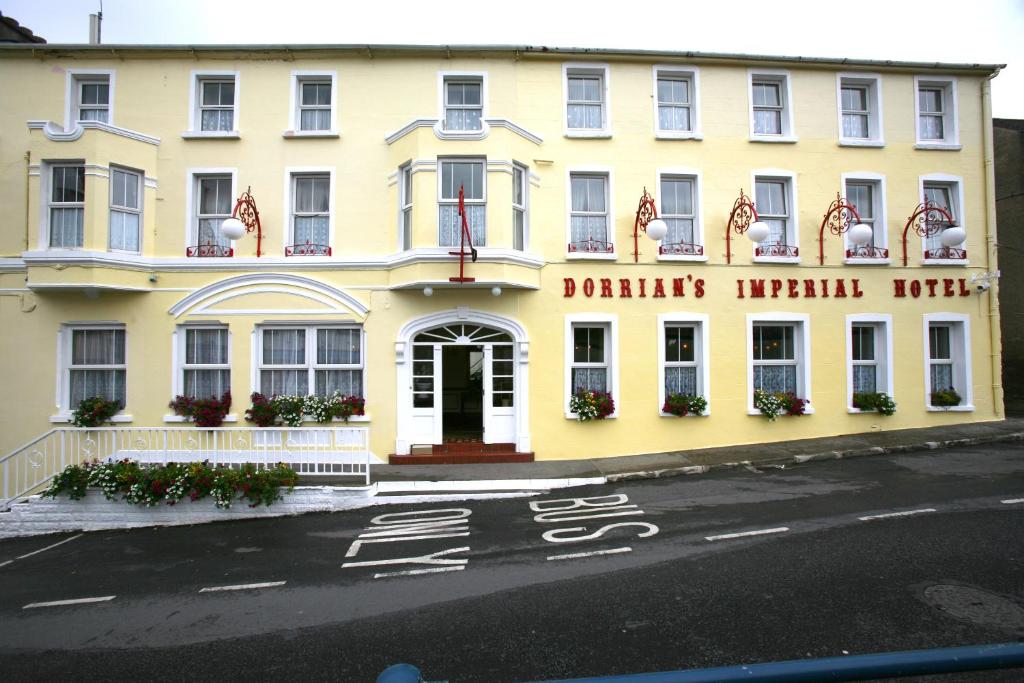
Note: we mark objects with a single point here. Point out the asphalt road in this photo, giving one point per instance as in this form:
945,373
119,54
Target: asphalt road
641,576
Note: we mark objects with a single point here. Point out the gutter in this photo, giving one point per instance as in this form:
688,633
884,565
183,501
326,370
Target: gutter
992,245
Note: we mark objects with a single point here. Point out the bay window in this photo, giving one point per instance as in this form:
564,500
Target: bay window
125,209
469,174
519,206
66,206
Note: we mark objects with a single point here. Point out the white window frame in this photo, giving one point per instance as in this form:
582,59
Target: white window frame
872,83
405,203
693,175
609,174
950,118
587,69
881,221
802,340
290,175
523,208
65,336
138,211
611,324
72,104
793,221
195,103
298,77
784,79
46,176
690,74
960,350
310,352
449,201
955,184
445,77
702,354
192,178
882,323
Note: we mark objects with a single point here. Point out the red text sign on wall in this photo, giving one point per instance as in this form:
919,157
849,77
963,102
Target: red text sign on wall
624,287
757,288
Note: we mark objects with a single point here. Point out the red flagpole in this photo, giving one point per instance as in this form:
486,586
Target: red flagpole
463,238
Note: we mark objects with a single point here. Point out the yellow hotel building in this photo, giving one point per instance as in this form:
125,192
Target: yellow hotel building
120,164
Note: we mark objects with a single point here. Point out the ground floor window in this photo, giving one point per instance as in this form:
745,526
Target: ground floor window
95,364
869,346
319,360
682,355
591,356
779,354
205,361
947,362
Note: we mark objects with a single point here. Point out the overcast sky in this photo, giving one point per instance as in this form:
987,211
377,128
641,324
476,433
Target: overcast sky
972,31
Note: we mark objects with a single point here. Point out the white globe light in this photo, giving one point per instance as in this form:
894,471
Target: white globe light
860,234
657,229
495,291
428,291
758,232
952,236
232,228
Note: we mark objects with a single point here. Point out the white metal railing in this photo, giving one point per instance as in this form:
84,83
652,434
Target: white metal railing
338,451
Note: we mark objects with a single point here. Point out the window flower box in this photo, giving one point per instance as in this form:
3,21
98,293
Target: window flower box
775,403
878,402
591,405
684,404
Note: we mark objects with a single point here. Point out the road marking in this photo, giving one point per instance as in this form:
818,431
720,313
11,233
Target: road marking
4,564
574,556
49,547
60,603
759,532
412,572
896,514
1005,502
242,586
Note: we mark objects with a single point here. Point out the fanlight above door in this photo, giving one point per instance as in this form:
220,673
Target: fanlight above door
462,334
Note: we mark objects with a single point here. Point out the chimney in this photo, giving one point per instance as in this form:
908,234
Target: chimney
95,21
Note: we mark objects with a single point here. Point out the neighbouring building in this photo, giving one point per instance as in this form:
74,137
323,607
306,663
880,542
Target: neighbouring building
121,162
1009,169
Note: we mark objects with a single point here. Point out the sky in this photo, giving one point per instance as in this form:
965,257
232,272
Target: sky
961,31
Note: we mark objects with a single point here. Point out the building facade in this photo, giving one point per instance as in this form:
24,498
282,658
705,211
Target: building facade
120,164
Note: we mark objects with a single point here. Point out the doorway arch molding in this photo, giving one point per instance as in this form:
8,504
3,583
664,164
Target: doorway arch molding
462,315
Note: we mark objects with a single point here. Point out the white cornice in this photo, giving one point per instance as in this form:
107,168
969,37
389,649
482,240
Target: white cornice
435,125
12,265
55,132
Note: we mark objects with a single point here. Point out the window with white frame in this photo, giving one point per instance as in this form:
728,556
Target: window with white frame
860,110
777,357
771,116
469,174
586,108
216,110
95,364
865,196
318,360
519,199
405,205
463,103
675,96
125,209
213,205
66,205
311,215
868,358
591,352
936,112
92,97
945,194
205,361
682,353
314,103
773,199
588,213
948,360
678,195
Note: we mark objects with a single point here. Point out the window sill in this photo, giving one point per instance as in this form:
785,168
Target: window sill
951,409
677,135
211,135
575,418
171,419
857,411
867,261
66,418
682,257
601,134
861,143
944,146
706,413
754,412
578,256
785,139
945,262
776,259
289,134
354,418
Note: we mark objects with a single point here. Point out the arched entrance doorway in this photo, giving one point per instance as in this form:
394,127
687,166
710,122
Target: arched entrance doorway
462,377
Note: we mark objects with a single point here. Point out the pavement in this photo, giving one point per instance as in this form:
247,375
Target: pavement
699,461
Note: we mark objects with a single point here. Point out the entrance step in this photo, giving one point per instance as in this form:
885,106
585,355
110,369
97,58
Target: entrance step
472,447
462,457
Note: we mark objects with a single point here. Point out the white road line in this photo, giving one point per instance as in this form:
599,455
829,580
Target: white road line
242,586
896,514
574,556
1005,502
60,603
759,532
413,572
49,547
4,564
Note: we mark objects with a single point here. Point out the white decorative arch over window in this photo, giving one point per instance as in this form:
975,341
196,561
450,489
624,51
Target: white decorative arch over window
209,300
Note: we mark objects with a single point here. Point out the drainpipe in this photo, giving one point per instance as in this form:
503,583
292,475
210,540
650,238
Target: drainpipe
28,167
992,256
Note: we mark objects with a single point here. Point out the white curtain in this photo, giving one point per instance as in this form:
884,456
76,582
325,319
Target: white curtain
681,380
124,230
284,347
585,95
67,227
775,378
338,347
348,382
589,379
451,224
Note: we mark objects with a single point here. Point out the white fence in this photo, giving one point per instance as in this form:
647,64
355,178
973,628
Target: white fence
337,451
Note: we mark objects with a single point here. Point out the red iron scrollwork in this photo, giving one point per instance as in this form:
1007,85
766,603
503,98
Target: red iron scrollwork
591,246
208,250
928,220
245,211
307,249
742,215
645,213
838,218
783,250
681,249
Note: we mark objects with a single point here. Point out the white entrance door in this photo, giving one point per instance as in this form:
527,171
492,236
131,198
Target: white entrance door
499,394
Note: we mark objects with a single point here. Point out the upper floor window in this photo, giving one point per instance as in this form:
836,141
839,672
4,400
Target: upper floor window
586,100
463,103
125,209
93,98
771,113
519,199
773,198
589,214
678,199
676,102
213,199
936,113
67,205
405,206
867,197
860,110
216,104
315,100
470,176
946,194
311,360
311,215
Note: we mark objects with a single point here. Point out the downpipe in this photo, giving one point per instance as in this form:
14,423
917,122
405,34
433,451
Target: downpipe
992,255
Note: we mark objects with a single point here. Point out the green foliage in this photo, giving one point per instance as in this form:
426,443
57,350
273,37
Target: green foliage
591,405
94,411
879,402
684,404
262,412
290,409
945,398
775,403
205,412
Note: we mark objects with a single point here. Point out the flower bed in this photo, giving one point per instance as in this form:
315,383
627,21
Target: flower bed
775,403
591,405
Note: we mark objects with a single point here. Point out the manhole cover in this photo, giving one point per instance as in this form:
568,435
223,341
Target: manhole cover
976,606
